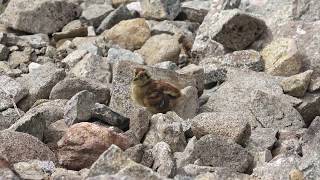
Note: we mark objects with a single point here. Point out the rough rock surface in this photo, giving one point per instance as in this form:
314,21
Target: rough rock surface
28,15
297,85
84,142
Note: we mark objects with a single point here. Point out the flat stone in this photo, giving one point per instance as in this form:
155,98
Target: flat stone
78,108
28,15
11,92
68,87
231,125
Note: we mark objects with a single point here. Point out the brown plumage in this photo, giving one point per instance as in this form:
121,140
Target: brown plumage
156,95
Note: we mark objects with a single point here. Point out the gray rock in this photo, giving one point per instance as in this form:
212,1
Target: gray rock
78,108
26,147
232,28
297,85
278,168
118,54
214,74
204,47
246,59
135,153
212,150
115,162
283,114
73,29
9,117
160,48
34,169
39,83
167,128
122,76
68,87
74,57
311,132
188,104
36,120
314,85
11,92
105,114
262,139
60,173
164,163
55,131
4,52
197,72
308,108
28,15
8,174
222,173
36,40
233,125
119,14
169,65
160,10
94,14
288,143
17,58
195,11
89,44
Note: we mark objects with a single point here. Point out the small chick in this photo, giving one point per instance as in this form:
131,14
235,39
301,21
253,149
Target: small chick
156,95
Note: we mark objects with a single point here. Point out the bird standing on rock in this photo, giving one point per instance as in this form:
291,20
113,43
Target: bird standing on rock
157,96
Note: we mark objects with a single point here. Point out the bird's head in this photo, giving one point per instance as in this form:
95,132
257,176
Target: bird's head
141,77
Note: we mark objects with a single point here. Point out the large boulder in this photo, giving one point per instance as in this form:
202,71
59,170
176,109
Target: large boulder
41,16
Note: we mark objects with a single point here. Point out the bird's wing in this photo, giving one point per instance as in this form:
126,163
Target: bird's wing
169,89
154,99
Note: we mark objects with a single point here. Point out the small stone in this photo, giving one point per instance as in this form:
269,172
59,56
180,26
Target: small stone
33,66
17,58
78,108
94,14
84,142
32,13
164,163
129,34
160,10
68,87
4,52
117,54
160,48
297,85
11,92
71,30
231,125
281,57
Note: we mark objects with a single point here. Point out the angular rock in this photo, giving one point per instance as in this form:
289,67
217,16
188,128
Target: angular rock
297,85
34,169
68,87
262,139
122,76
11,92
129,34
169,65
247,59
36,41
212,150
19,147
309,107
160,10
115,162
164,163
17,58
206,48
55,131
232,28
105,114
283,114
35,121
135,153
167,128
314,85
233,125
288,143
9,117
223,173
160,48
4,52
71,30
117,54
116,16
281,57
84,142
213,75
195,71
78,108
74,57
188,104
60,173
27,15
94,14
39,83
195,11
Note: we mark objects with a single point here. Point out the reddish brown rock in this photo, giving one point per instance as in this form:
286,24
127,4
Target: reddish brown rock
84,142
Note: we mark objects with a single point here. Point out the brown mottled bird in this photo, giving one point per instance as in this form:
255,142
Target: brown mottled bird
156,95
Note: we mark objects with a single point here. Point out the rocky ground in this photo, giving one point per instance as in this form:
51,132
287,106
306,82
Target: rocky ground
248,70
